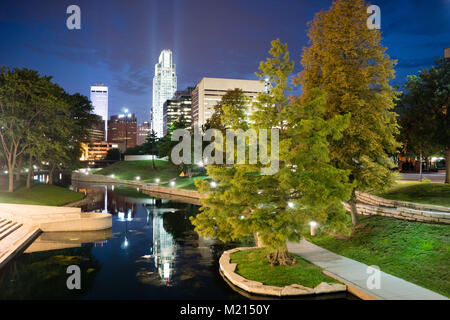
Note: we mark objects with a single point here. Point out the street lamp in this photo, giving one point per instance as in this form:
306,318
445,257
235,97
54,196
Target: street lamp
313,226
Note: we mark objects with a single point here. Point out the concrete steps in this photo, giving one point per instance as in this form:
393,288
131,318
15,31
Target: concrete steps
14,237
9,228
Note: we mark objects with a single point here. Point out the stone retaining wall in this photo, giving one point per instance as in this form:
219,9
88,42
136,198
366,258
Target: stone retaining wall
377,201
401,213
256,287
137,184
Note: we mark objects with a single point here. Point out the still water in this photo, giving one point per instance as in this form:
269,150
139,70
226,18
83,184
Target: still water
151,252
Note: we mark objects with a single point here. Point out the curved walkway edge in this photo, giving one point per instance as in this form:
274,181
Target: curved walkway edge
256,287
355,275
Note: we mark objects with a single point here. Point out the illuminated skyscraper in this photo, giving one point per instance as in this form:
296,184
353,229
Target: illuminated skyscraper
164,86
99,99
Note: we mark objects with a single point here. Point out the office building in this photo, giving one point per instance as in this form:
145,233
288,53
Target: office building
179,106
143,130
99,100
164,86
95,151
122,131
209,91
447,53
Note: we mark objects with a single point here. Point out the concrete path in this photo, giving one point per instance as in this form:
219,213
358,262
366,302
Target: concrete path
354,275
433,177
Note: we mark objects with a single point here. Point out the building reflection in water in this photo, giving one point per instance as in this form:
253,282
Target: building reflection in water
164,249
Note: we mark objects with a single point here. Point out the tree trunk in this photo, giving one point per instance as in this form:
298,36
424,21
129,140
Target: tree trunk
19,168
50,174
258,241
11,180
30,172
354,210
281,258
447,165
11,166
420,167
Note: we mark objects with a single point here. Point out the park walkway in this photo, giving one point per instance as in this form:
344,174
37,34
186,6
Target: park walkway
354,275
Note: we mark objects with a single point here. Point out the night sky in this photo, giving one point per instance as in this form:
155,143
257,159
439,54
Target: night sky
120,41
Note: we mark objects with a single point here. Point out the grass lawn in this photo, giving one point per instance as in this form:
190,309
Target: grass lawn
420,192
165,171
416,252
41,194
253,265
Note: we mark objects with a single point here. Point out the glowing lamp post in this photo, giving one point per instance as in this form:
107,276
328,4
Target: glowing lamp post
313,226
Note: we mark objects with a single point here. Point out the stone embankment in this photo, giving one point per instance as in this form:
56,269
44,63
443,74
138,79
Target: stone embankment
373,205
255,287
151,188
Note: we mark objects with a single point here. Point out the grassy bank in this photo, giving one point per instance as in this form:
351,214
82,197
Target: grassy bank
164,171
41,194
416,252
253,265
420,192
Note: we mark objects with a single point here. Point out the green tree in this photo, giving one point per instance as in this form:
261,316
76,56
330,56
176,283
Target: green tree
150,146
348,62
277,208
113,154
416,120
27,101
425,117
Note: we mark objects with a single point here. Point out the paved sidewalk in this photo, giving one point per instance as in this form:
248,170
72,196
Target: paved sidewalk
354,274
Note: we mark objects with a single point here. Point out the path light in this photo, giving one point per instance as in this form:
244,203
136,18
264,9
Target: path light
290,205
213,184
313,225
138,178
112,176
172,183
157,180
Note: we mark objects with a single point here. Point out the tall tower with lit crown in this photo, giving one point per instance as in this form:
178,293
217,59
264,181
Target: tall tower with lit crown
164,86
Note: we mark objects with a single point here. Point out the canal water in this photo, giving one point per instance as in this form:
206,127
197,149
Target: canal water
151,252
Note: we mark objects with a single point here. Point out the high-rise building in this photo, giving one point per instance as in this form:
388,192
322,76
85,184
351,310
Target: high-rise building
122,130
164,86
179,106
99,100
143,130
209,91
447,53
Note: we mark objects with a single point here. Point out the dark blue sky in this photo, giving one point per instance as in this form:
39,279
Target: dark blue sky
120,40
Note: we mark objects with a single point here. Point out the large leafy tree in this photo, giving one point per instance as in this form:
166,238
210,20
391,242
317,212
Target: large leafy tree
27,102
424,115
276,208
348,62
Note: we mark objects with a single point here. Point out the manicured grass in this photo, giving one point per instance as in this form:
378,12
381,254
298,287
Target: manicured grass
420,192
41,194
416,252
253,265
165,171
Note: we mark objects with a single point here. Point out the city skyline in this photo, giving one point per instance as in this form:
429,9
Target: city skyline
204,41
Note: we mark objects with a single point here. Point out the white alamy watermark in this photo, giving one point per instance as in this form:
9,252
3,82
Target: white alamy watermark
236,146
74,280
74,20
374,20
374,280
